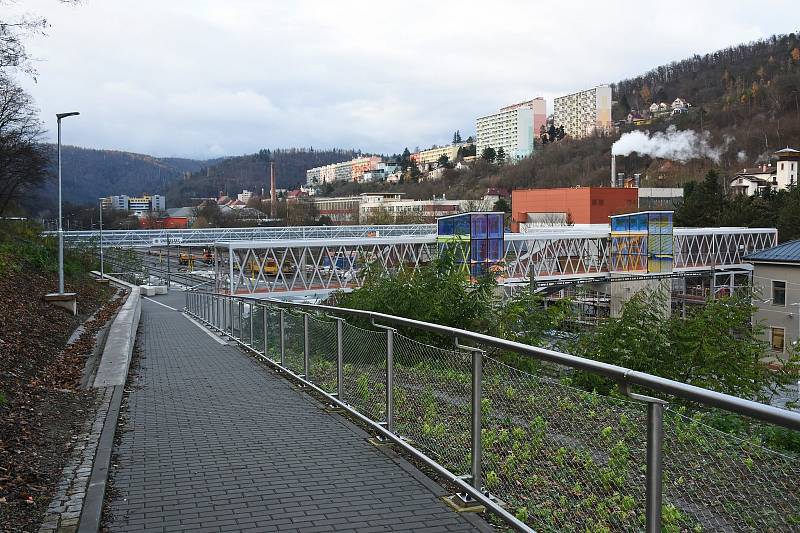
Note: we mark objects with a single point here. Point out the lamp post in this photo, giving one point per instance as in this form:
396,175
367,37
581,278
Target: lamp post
59,116
101,240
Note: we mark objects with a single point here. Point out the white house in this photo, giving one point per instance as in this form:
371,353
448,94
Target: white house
787,167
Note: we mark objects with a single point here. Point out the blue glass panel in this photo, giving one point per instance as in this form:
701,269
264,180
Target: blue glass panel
477,269
480,250
639,222
478,226
461,225
495,249
620,224
495,229
445,226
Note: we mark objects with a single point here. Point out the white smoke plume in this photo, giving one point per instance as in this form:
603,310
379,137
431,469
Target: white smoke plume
672,144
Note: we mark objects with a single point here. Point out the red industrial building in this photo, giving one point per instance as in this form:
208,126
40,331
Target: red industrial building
164,223
581,205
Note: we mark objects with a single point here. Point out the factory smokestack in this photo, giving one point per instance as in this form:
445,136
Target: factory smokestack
273,197
613,170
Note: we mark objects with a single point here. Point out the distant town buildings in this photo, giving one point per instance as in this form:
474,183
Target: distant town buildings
136,205
390,207
351,170
513,129
780,176
585,112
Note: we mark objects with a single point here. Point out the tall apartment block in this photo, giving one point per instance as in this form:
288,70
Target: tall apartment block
513,128
584,112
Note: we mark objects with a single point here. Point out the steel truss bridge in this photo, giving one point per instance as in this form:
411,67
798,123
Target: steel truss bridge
321,265
208,236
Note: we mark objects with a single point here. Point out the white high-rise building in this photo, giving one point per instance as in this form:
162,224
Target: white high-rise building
585,112
512,129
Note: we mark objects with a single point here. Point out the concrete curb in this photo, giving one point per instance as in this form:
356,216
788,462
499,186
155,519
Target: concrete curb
96,491
112,372
113,368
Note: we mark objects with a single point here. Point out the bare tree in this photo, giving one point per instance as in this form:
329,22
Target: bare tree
23,161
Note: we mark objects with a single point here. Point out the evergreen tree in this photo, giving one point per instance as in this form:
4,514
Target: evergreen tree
703,203
500,157
789,216
457,137
489,154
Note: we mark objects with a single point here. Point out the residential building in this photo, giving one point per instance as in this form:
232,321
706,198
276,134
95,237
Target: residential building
138,205
245,196
585,112
776,285
538,107
351,170
562,206
781,176
751,181
512,129
431,156
786,168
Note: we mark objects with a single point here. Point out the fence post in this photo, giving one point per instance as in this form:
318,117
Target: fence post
264,319
230,316
477,445
655,439
252,319
390,380
239,319
283,336
306,347
339,359
655,460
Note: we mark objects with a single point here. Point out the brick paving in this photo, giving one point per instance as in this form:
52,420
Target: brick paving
214,441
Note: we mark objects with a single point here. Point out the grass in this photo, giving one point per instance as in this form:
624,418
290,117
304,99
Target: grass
23,247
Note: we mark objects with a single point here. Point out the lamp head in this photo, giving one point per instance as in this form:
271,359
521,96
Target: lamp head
59,116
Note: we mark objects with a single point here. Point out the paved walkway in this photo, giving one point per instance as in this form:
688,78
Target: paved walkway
214,441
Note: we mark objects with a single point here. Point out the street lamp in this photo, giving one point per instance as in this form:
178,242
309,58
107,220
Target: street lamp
101,239
59,116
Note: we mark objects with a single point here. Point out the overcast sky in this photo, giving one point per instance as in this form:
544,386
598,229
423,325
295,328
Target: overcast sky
203,79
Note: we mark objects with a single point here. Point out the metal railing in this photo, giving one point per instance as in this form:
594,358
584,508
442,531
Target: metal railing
559,458
207,236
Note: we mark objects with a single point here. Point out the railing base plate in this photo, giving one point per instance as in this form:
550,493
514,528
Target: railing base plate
460,504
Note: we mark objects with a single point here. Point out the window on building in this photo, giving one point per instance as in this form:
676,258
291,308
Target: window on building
777,339
778,293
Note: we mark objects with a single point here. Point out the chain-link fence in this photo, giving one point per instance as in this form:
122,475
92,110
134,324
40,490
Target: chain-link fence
364,370
557,457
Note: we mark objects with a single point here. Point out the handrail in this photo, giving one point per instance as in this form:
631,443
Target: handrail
219,312
759,411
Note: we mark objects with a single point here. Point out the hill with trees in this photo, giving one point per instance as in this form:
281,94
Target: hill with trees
89,174
251,172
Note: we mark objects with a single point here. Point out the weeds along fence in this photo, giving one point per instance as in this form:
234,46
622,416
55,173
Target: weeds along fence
542,455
